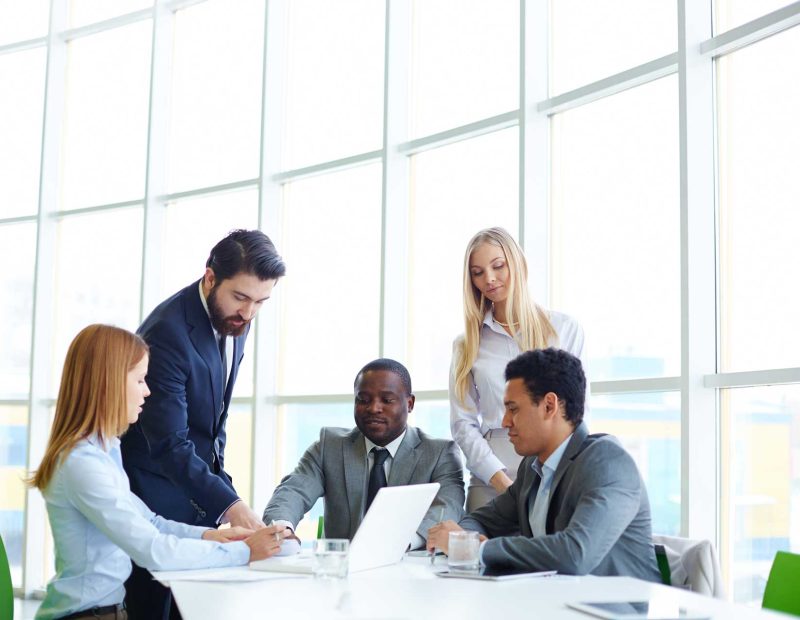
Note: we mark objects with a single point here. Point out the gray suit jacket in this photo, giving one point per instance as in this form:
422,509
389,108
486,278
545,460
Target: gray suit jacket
335,467
598,520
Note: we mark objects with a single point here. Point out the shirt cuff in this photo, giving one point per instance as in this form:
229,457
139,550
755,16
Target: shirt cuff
480,552
239,550
418,542
288,524
222,519
488,468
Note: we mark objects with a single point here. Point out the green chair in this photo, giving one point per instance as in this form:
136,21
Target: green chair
6,590
782,592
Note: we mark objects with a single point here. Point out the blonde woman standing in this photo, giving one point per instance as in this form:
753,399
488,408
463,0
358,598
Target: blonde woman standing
98,524
500,321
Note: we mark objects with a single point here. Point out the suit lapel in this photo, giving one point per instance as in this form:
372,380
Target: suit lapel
354,459
405,459
528,490
574,448
202,337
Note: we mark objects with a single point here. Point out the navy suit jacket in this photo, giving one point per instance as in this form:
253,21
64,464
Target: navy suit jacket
175,454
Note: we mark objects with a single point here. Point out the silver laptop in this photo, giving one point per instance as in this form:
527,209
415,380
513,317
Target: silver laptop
383,536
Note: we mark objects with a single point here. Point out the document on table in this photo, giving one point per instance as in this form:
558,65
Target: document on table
233,574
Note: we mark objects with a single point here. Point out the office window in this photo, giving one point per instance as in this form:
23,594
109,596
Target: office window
334,80
21,20
591,40
456,190
759,193
82,12
17,253
465,62
239,450
98,262
615,236
13,458
21,130
105,124
731,13
215,120
760,483
330,299
649,427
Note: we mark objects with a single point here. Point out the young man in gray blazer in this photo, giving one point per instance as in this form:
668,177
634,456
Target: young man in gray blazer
340,466
578,505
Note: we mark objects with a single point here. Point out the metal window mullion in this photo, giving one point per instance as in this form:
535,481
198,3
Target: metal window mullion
266,347
153,238
699,416
41,363
534,147
395,205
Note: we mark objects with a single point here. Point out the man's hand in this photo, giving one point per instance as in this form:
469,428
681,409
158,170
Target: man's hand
241,515
500,481
266,542
228,534
439,535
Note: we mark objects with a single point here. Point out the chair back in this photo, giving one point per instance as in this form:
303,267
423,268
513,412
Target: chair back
782,592
690,564
6,589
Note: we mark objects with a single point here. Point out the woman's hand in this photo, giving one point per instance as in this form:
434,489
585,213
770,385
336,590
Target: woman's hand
500,481
228,534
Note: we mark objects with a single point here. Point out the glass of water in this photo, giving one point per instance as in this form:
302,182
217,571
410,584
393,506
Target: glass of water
462,551
329,558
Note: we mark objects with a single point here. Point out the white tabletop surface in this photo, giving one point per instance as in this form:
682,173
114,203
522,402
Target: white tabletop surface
411,590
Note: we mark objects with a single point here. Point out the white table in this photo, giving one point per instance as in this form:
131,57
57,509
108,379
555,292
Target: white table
411,590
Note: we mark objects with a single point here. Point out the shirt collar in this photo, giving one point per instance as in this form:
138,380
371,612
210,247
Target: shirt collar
551,464
488,321
105,446
205,307
391,447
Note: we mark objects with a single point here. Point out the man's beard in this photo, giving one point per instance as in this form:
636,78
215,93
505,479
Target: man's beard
223,324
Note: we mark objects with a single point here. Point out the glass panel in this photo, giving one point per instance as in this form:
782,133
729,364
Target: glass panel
13,463
239,450
98,261
299,425
615,223
21,130
82,12
193,226
465,58
760,483
431,416
649,427
105,124
759,195
731,13
455,191
21,20
591,40
17,248
216,94
334,80
330,302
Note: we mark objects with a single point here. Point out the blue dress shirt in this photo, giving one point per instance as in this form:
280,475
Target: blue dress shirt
99,526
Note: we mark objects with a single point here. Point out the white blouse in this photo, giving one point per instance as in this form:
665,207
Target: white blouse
483,409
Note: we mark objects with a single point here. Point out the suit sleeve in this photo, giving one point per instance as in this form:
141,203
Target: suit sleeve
449,501
165,424
605,507
298,491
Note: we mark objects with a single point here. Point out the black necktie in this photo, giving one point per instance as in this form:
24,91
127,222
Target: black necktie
377,477
224,359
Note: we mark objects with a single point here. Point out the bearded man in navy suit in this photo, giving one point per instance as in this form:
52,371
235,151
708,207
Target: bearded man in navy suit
175,454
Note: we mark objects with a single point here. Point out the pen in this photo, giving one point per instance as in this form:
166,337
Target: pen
433,553
273,524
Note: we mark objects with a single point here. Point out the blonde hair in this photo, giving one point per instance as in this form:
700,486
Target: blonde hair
92,398
535,330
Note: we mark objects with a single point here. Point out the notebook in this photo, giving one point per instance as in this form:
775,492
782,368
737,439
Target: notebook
382,537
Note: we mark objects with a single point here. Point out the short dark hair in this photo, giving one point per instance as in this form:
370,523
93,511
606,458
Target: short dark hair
384,363
246,251
552,370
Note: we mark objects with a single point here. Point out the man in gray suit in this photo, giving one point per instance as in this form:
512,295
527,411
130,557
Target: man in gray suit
578,505
340,466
